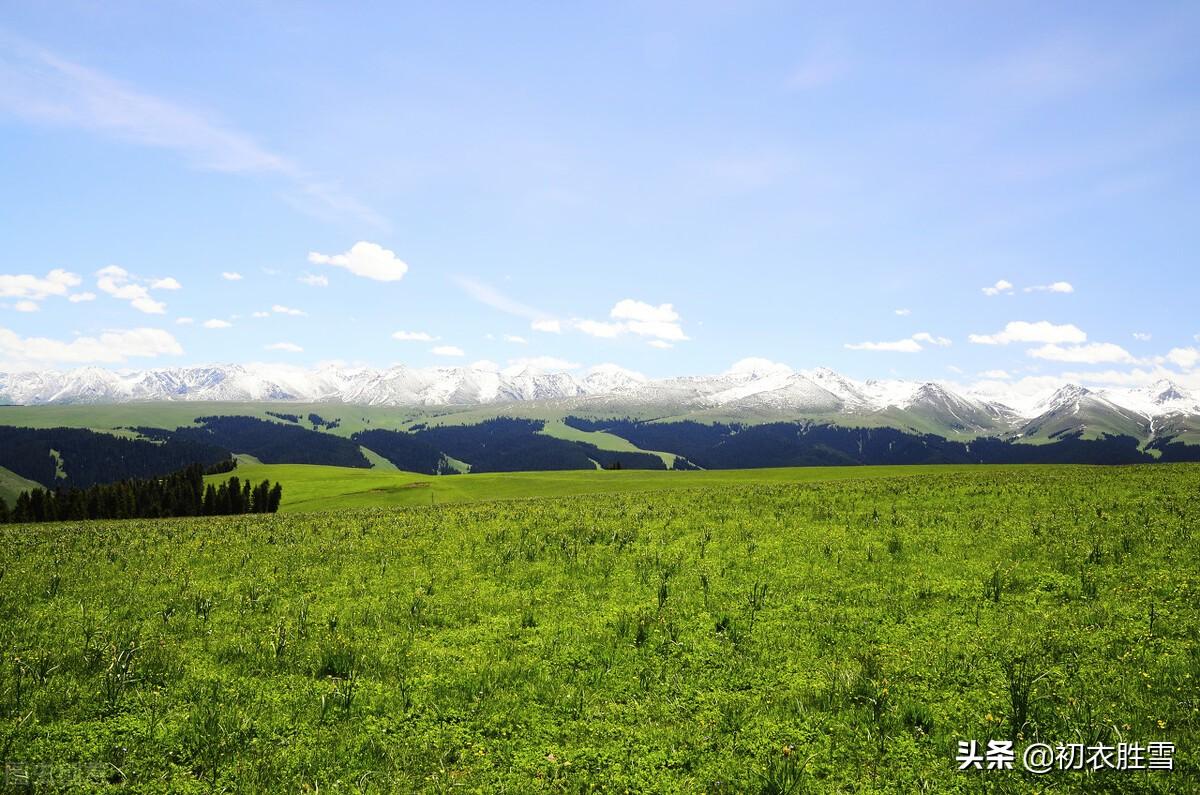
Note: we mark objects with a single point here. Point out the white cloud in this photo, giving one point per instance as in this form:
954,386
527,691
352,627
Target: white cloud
1092,353
109,347
369,260
1141,336
122,285
56,282
598,328
550,326
513,338
1001,375
260,314
413,336
314,280
660,321
26,306
289,347
757,365
636,317
925,336
1041,332
217,323
44,88
280,309
910,345
489,296
539,364
899,346
1187,358
1056,287
77,298
903,312
168,283
448,350
1001,287
231,276
660,344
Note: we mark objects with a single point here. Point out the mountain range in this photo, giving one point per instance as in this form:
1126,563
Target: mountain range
1160,410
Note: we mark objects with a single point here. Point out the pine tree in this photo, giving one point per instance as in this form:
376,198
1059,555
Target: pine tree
275,498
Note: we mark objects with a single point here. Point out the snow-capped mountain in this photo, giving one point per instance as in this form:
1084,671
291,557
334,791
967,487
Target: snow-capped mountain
757,389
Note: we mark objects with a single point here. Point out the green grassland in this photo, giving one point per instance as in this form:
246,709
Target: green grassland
770,632
308,488
12,484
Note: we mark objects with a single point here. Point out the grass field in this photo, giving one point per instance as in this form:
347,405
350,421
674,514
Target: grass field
764,633
12,484
309,488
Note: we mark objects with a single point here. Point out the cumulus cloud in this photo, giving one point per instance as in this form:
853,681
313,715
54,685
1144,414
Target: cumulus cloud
168,283
1055,287
26,306
78,298
217,323
1002,287
547,325
628,316
413,336
1092,353
109,347
513,338
1141,336
124,286
36,288
280,309
231,276
260,314
1040,332
288,347
1187,358
660,344
369,260
314,280
448,350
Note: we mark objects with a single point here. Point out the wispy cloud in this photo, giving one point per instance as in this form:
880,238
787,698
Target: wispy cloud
45,88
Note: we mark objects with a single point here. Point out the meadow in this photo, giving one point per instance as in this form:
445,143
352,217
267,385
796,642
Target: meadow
694,632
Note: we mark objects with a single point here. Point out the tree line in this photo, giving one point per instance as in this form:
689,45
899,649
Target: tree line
181,493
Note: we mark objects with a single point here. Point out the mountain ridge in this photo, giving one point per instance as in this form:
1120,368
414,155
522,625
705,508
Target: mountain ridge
758,392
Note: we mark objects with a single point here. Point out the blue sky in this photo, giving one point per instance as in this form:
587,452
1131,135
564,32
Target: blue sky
670,187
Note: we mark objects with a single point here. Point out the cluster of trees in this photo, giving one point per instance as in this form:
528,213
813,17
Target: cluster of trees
181,493
79,458
268,441
780,444
509,444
